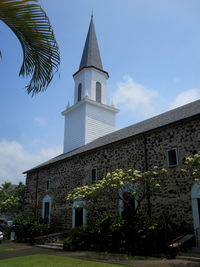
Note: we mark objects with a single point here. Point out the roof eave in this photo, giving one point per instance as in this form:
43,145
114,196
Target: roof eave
117,141
90,67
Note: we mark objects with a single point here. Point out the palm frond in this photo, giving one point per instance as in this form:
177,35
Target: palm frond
32,27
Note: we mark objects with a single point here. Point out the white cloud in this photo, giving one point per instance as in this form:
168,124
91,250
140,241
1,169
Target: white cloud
185,98
40,121
14,160
135,97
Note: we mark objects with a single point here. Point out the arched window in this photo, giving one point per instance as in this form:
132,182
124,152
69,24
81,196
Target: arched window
78,213
172,157
195,196
46,209
93,175
127,202
98,92
48,185
79,92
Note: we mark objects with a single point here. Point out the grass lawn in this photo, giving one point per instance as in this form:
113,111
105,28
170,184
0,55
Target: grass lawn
51,261
3,248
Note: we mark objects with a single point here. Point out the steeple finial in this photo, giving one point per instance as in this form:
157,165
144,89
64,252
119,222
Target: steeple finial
91,55
92,14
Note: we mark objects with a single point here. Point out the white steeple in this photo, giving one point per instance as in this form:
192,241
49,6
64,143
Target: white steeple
90,117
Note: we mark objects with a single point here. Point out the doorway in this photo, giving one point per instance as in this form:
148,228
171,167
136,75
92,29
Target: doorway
195,196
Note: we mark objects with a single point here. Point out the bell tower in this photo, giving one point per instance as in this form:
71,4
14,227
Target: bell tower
89,117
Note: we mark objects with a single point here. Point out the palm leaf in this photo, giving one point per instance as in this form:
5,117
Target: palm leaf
40,50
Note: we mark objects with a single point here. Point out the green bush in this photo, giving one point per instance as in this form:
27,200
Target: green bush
77,239
27,228
102,235
106,233
136,235
7,232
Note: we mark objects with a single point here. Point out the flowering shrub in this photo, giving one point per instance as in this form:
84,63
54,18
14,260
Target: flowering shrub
133,233
138,184
193,166
12,198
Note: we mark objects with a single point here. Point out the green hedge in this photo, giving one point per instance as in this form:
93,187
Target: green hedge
27,228
136,235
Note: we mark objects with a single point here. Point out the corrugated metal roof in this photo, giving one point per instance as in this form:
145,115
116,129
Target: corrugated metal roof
172,116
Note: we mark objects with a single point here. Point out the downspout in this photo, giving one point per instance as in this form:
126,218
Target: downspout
36,195
145,153
146,169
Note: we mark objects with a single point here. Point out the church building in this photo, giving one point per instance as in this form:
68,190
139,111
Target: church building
93,147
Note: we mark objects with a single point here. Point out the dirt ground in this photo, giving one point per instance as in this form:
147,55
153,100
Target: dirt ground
23,250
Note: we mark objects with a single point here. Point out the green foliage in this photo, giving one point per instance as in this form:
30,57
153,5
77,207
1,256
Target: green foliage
27,228
106,233
100,235
12,197
78,239
131,234
138,184
192,166
137,235
6,232
139,231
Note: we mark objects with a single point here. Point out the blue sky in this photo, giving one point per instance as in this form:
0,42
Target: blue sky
150,48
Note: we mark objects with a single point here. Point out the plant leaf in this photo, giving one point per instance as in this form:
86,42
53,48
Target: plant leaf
31,25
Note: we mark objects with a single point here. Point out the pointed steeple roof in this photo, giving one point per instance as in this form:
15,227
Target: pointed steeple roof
91,54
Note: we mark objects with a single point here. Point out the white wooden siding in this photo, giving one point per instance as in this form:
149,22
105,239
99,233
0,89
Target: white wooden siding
99,122
74,135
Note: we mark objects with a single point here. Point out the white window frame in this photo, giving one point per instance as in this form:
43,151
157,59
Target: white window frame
168,163
78,204
46,199
195,195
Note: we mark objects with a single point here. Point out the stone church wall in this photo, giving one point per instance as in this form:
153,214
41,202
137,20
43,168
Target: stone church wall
174,199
